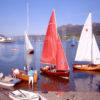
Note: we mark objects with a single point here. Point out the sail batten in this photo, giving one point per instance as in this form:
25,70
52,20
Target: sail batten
88,50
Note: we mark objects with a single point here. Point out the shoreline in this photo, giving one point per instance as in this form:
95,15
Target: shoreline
58,95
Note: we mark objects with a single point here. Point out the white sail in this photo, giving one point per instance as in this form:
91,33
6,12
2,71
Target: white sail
95,52
28,44
88,50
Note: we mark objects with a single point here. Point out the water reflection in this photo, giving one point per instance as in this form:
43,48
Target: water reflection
9,55
87,83
53,84
96,83
8,52
29,59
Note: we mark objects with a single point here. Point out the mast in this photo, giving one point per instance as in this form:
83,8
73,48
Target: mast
28,43
91,39
27,23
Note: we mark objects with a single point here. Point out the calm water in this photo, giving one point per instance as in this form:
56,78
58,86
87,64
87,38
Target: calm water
13,55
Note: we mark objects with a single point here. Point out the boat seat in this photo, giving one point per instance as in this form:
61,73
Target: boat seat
53,70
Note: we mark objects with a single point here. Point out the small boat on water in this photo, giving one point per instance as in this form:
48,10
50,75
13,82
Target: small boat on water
73,41
4,39
29,53
88,54
24,95
28,45
8,81
24,76
53,52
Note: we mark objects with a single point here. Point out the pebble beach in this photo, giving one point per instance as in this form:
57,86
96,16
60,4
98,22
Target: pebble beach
58,95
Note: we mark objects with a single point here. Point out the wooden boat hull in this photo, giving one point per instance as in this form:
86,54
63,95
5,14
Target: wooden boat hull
24,77
63,74
87,67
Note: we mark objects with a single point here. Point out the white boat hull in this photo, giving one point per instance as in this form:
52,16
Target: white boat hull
23,95
9,83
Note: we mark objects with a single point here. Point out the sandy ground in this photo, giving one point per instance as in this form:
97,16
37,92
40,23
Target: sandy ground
59,95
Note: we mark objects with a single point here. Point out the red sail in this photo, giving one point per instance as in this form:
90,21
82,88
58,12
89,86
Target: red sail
61,61
49,47
53,52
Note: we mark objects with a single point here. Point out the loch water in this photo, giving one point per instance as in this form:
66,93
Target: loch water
12,55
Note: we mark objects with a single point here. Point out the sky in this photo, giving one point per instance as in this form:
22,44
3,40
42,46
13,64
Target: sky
13,14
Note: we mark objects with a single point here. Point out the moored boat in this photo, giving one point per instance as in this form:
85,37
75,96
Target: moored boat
88,54
23,95
4,39
53,52
92,72
24,76
9,81
73,41
28,45
57,73
87,67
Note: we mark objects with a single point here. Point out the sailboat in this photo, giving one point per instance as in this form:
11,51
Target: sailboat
29,51
23,75
28,45
53,52
73,41
88,54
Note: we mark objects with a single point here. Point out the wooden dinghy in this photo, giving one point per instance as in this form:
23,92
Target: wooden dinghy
57,73
87,67
88,54
54,56
97,73
24,77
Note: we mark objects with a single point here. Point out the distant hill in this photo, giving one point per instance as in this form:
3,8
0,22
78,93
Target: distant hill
76,29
